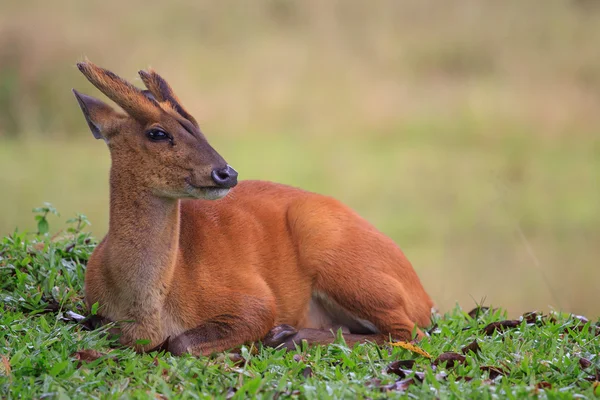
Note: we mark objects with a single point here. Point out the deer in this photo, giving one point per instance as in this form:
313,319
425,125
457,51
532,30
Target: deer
195,261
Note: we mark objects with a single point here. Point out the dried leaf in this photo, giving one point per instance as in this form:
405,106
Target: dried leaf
400,367
432,329
533,317
464,378
400,385
595,377
230,392
449,358
579,328
307,372
86,356
581,318
411,347
294,392
543,385
501,326
494,372
584,363
473,346
374,382
5,366
71,316
479,311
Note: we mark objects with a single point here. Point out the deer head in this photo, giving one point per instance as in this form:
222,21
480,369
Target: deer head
156,144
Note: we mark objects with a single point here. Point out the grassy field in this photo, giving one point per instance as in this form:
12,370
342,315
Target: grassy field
44,353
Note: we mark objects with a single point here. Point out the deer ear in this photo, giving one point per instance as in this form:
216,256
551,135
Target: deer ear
98,114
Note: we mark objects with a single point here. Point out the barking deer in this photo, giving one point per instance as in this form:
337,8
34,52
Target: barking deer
199,263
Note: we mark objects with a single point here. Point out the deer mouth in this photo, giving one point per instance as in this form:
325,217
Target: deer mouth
205,192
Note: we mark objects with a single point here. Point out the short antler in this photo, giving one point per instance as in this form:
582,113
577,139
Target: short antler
127,96
162,91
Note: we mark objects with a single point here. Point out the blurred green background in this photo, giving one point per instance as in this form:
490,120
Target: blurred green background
467,130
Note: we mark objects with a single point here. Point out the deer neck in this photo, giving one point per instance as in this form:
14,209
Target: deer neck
142,241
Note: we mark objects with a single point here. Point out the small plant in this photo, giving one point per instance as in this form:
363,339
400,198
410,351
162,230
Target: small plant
46,353
42,217
77,223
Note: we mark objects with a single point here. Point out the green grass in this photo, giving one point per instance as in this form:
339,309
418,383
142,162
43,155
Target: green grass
41,281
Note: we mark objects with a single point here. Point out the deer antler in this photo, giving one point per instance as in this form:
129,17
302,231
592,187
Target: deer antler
163,92
127,96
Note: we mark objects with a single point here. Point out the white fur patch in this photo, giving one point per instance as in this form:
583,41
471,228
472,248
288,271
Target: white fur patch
326,313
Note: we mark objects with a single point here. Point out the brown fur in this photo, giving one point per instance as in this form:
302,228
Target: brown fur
212,275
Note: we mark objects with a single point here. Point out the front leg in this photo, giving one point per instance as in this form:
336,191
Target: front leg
227,330
286,336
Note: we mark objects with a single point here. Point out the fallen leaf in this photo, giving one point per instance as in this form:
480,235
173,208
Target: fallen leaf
449,358
464,378
543,385
432,330
307,372
493,372
71,316
86,356
400,385
39,246
595,377
411,347
533,317
231,392
294,392
374,382
399,367
579,328
5,366
584,363
581,318
473,346
479,311
501,326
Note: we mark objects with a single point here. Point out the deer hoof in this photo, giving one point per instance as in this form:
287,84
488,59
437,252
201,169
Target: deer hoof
279,335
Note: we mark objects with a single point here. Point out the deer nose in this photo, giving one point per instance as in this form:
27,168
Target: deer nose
225,177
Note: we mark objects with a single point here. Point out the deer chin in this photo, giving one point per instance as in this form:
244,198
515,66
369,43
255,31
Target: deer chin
209,193
205,192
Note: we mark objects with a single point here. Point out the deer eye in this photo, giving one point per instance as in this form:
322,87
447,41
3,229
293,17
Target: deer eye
158,135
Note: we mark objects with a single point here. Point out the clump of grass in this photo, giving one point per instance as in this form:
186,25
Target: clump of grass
481,354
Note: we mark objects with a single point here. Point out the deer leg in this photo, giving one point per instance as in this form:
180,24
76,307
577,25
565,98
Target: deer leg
286,336
228,330
379,307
